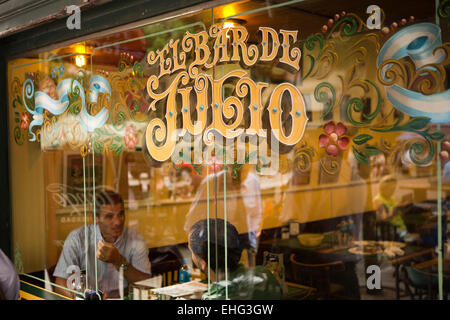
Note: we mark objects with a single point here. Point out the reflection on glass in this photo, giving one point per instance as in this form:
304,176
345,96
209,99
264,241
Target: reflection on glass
117,246
229,278
328,172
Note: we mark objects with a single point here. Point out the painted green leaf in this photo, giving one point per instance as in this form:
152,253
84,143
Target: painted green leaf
119,150
197,168
321,95
372,150
98,147
418,123
311,59
362,138
437,135
17,100
444,9
360,156
310,41
98,131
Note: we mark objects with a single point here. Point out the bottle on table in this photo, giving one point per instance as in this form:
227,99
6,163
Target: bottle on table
81,286
185,274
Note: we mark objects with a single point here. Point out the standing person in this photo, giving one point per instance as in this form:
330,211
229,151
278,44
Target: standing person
251,197
387,208
117,246
9,280
243,283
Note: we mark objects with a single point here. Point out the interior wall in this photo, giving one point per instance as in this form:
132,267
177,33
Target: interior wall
27,196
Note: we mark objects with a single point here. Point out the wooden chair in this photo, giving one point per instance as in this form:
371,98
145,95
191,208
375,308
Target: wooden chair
385,231
168,270
318,276
425,284
298,292
165,262
51,276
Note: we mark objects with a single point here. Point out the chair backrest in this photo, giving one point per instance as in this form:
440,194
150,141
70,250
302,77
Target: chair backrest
385,231
165,261
168,270
324,267
420,278
369,220
315,275
50,273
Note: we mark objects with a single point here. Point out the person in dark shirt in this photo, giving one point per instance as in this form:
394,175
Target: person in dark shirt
9,280
242,283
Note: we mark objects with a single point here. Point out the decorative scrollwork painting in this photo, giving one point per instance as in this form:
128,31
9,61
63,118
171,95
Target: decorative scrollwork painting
367,82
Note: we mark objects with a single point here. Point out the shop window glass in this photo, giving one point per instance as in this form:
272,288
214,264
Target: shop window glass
287,142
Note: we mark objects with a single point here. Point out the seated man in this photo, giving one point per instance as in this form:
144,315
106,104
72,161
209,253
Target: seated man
117,246
243,283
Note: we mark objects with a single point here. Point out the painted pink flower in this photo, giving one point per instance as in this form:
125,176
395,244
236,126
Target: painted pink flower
130,138
333,139
213,165
24,120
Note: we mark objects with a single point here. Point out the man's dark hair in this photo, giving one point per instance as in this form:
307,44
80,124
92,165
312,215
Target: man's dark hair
105,198
199,243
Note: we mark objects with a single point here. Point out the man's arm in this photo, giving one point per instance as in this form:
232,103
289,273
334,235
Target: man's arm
380,210
69,256
131,274
62,282
108,252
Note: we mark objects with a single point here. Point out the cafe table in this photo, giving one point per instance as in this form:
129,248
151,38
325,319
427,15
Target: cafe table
30,291
328,252
431,266
293,291
323,253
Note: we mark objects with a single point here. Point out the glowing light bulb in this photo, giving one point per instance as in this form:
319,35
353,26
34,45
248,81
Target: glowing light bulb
80,61
228,24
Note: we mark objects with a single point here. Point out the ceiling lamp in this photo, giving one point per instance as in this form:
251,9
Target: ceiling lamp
80,60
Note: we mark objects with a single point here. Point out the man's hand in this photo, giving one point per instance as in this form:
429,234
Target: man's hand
108,253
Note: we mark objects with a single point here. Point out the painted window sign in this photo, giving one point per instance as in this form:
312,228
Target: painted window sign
306,118
271,43
423,45
69,94
186,92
